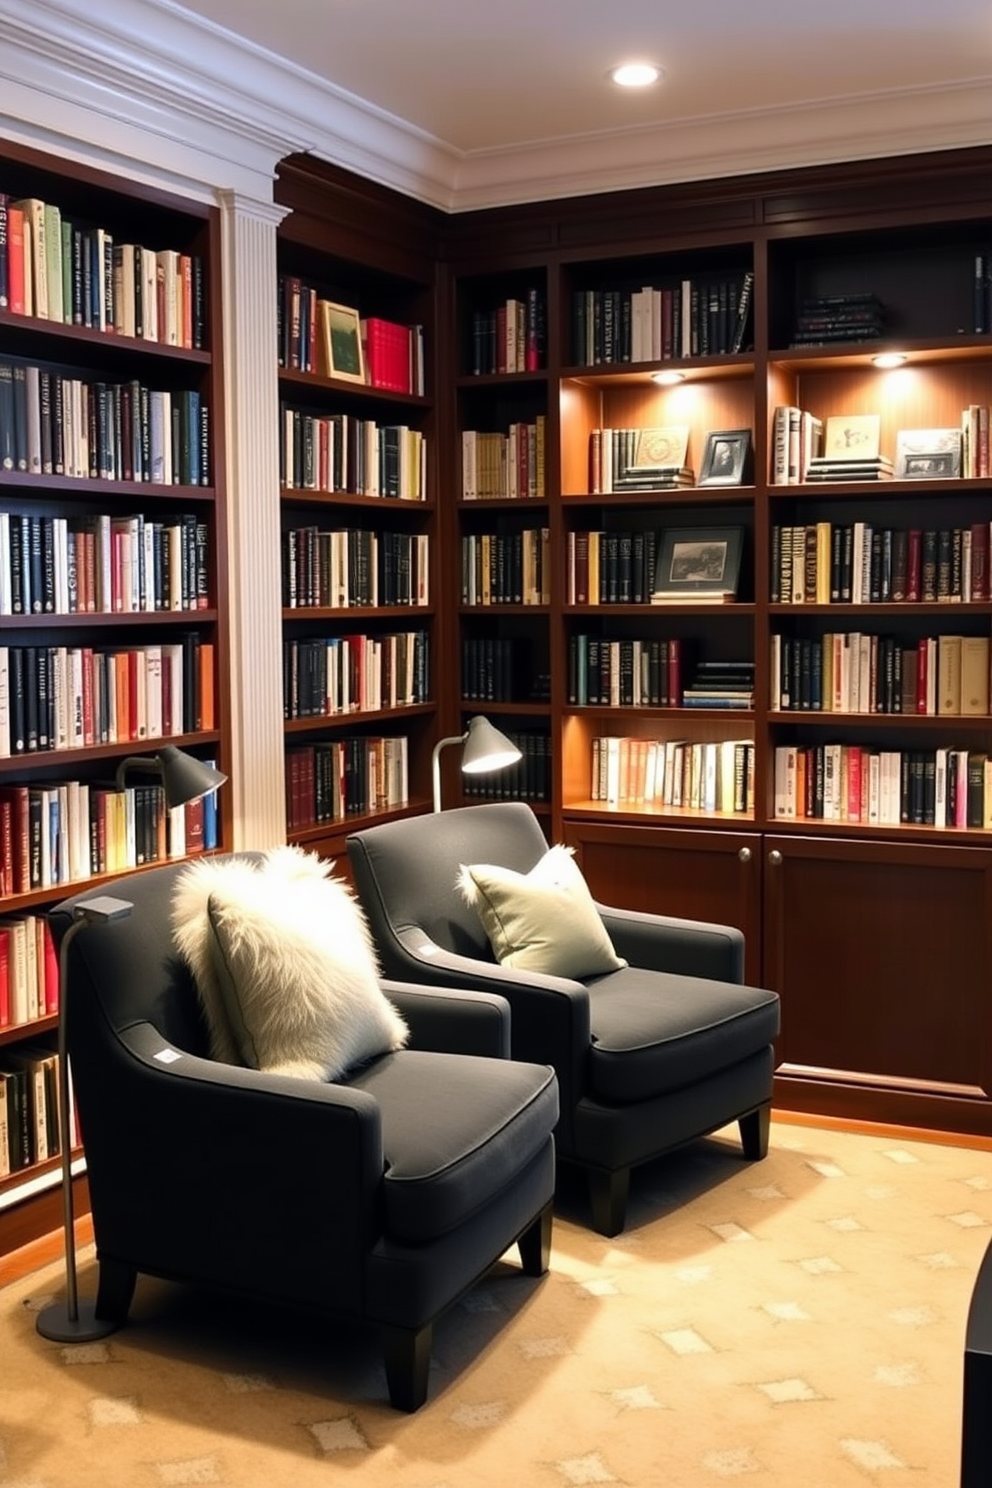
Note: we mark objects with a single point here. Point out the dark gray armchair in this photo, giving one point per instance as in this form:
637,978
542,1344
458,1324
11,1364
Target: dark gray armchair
381,1198
648,1058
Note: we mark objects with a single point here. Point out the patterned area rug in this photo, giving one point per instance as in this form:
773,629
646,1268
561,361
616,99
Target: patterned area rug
798,1321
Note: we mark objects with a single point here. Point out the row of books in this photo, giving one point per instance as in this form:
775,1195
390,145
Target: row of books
339,452
860,563
625,673
852,672
826,319
102,564
528,779
75,697
711,776
29,970
318,335
326,676
510,336
506,466
682,318
93,430
354,567
847,447
492,668
636,459
75,273
610,567
65,831
30,1128
506,567
946,787
332,780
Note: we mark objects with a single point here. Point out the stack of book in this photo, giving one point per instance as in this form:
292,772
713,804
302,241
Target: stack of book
721,684
851,450
826,319
823,468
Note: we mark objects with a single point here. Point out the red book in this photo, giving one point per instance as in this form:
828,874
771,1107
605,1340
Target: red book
15,258
980,561
922,659
50,962
674,699
17,847
194,826
4,976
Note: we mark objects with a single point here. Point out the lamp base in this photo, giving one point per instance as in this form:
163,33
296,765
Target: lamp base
56,1325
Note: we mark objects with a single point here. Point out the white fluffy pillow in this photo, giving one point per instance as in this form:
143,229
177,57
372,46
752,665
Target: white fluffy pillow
284,965
544,920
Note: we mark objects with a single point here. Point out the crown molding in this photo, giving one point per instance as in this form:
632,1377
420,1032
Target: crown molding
905,122
161,94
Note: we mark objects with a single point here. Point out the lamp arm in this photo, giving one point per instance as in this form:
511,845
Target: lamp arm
147,762
436,764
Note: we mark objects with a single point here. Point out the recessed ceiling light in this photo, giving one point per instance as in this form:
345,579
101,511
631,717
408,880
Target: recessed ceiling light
889,359
636,74
668,379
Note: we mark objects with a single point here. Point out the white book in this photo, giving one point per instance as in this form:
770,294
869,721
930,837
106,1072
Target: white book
4,702
6,597
17,971
153,691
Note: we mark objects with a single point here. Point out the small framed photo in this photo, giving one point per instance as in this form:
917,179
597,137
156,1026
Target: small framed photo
928,454
726,457
698,563
341,339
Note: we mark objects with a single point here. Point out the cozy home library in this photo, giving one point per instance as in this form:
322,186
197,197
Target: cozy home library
685,488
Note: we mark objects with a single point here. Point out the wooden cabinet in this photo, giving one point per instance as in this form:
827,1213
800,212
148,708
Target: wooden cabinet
695,875
113,631
882,954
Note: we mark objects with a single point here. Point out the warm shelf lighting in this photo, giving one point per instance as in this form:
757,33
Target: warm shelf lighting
667,379
889,359
635,74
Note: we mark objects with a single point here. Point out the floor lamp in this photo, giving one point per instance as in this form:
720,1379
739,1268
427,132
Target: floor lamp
184,778
485,749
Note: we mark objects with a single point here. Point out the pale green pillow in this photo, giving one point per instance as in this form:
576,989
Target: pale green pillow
544,920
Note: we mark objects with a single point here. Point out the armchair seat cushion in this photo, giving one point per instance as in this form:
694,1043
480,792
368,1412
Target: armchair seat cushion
456,1130
654,1032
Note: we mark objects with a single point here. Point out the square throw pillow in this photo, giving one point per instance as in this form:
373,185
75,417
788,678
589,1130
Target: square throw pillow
284,965
544,920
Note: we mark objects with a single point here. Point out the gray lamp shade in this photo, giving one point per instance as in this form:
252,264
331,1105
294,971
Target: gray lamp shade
486,748
184,777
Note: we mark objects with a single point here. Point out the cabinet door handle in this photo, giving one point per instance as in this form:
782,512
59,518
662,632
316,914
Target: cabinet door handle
744,856
775,858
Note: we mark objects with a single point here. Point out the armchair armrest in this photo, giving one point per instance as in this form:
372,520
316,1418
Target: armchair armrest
665,943
450,1021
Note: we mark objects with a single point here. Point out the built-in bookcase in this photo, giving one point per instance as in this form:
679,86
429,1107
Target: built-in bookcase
112,590
358,495
724,760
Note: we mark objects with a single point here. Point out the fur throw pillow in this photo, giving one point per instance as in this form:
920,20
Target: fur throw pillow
284,965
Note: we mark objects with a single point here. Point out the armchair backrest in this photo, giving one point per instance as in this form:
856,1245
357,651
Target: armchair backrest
406,871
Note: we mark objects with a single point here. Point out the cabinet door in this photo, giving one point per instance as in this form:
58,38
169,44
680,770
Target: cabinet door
882,954
700,875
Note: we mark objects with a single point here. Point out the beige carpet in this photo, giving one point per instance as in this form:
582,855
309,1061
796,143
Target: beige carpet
796,1323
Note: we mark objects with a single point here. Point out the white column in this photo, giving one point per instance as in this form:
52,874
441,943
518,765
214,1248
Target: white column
254,598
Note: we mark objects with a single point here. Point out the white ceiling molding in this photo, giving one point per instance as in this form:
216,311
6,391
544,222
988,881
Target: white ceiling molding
160,91
907,122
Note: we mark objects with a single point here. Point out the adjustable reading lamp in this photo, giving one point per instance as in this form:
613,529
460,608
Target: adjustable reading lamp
485,749
184,777
67,1322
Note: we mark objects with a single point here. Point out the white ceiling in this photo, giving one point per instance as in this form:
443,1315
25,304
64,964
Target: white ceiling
498,81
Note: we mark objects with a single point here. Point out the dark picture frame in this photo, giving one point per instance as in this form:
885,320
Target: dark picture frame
341,332
698,563
726,457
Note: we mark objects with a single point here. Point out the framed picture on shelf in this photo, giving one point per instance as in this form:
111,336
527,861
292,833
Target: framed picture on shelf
700,564
341,337
726,457
928,454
